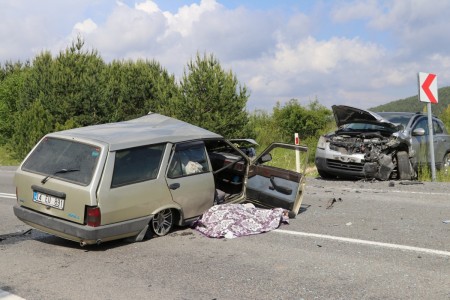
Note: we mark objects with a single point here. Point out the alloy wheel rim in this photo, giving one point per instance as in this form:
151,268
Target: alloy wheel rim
162,222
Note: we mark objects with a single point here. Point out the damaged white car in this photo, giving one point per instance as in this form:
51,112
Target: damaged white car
385,145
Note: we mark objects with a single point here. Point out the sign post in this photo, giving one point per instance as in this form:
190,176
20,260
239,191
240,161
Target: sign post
428,93
297,153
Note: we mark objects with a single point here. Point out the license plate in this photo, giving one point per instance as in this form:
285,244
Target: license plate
48,200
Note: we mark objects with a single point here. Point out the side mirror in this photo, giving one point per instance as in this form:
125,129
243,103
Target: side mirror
418,132
265,158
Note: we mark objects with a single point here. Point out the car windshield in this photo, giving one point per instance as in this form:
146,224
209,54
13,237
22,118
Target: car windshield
396,118
364,127
68,160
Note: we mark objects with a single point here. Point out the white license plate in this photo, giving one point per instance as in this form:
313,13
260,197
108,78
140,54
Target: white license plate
48,200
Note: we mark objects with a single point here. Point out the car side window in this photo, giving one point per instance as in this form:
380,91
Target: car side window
136,164
437,129
422,123
188,159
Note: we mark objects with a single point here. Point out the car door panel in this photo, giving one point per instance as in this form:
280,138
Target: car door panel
421,147
194,193
261,187
440,145
420,143
271,186
189,179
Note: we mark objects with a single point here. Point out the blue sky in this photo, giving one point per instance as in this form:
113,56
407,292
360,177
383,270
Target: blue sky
360,53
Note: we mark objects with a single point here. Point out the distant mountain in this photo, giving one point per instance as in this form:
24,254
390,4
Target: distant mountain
412,104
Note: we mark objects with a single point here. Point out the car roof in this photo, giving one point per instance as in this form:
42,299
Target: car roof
149,129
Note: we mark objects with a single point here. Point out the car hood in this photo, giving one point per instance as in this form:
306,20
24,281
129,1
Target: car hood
347,114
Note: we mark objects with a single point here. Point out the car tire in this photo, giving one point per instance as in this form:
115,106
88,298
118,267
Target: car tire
162,222
446,163
404,166
325,175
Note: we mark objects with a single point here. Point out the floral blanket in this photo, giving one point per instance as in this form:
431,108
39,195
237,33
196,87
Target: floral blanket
235,220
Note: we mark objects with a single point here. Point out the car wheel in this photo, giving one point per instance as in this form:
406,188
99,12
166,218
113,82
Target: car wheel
446,163
325,175
162,222
404,166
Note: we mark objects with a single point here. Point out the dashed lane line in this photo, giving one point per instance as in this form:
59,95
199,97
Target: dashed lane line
4,295
365,242
9,196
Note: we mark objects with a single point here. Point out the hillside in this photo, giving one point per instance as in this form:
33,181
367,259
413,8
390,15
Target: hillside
412,104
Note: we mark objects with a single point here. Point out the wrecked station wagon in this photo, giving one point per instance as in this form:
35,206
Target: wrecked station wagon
122,180
384,145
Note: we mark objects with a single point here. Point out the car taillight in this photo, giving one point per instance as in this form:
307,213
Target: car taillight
93,216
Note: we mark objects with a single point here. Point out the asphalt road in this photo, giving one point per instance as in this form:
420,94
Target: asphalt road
376,241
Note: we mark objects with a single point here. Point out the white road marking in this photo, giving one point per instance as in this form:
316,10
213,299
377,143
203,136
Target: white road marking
10,196
394,191
347,189
365,242
8,296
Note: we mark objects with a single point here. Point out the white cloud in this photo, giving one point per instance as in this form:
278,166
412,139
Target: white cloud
149,7
310,55
183,21
128,30
355,10
85,27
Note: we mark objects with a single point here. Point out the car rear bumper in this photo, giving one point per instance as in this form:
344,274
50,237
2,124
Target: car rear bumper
77,232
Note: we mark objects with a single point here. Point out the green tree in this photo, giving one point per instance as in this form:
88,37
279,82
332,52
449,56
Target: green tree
76,87
37,82
213,98
309,122
265,129
10,91
133,89
306,121
445,117
30,126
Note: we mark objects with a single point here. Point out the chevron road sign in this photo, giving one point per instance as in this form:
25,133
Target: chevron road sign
428,92
428,88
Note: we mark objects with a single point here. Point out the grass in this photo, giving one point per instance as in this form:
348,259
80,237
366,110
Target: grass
424,174
285,159
6,158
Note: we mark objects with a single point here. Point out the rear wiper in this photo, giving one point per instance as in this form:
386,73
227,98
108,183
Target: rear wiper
43,181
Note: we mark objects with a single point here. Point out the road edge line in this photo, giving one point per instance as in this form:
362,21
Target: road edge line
366,242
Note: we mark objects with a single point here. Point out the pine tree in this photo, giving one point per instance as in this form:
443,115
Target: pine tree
212,98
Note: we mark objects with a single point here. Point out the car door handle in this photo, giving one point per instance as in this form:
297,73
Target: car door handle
174,186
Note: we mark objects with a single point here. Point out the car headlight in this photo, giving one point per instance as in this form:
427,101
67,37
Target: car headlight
322,142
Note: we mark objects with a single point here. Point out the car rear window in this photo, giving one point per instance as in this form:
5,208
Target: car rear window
63,159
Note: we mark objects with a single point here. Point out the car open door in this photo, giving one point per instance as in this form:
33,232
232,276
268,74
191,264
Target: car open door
272,180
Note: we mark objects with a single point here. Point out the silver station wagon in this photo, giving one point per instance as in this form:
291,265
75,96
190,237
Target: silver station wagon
122,180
